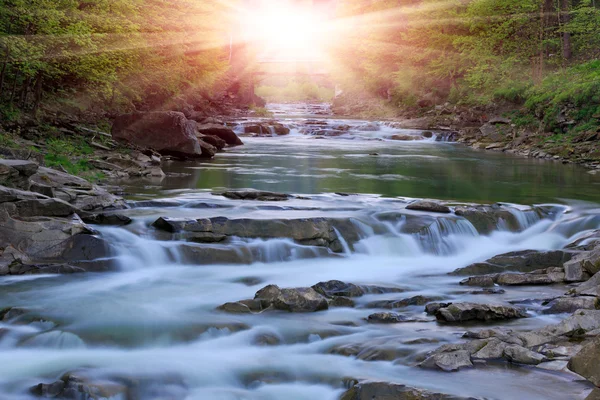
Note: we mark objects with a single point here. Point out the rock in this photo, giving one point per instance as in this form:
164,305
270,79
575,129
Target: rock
582,266
594,395
18,268
77,387
581,322
168,132
292,300
483,281
407,138
215,141
519,261
391,391
486,218
585,363
412,301
77,191
307,231
220,131
432,308
591,287
44,207
341,301
254,195
509,279
338,288
499,120
572,304
486,291
386,318
448,361
460,312
521,355
107,219
430,206
235,308
493,350
495,133
16,173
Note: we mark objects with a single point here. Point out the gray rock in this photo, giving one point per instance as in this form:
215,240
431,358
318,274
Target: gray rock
107,219
387,318
589,288
292,300
509,279
412,301
520,261
340,301
254,195
460,312
431,206
483,281
585,363
391,391
572,304
582,266
521,355
338,288
493,350
432,308
448,361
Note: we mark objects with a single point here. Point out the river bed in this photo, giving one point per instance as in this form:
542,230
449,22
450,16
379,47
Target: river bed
154,321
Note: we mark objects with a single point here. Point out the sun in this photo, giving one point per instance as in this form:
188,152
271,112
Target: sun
286,30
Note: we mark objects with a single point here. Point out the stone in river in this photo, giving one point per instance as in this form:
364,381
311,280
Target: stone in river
431,206
392,391
448,361
292,300
587,362
460,312
387,318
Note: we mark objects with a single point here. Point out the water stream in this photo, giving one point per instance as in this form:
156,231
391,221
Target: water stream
155,321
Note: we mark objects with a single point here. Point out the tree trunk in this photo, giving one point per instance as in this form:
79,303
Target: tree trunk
565,18
3,73
37,92
25,92
14,88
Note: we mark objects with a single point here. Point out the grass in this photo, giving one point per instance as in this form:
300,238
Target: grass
261,112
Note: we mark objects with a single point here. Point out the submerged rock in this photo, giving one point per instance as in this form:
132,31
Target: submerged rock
460,312
387,318
254,195
338,288
292,300
392,391
431,206
412,301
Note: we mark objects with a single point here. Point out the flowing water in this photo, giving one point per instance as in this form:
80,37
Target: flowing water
154,320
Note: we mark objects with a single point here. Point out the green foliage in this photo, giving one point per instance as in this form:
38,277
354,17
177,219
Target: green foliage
75,147
295,91
261,112
63,161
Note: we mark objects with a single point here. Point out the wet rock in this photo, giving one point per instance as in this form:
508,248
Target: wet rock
341,301
19,268
520,261
585,363
235,308
215,141
486,291
407,138
206,255
76,387
319,232
412,301
493,350
483,281
432,308
338,288
448,361
581,322
391,391
220,131
521,355
167,132
387,318
486,218
460,312
44,207
431,206
292,300
255,195
572,304
107,219
594,395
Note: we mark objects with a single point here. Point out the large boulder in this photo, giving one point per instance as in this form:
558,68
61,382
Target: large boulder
292,300
460,312
168,132
587,362
220,131
16,173
582,266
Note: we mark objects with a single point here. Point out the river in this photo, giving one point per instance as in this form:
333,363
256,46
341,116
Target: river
154,321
